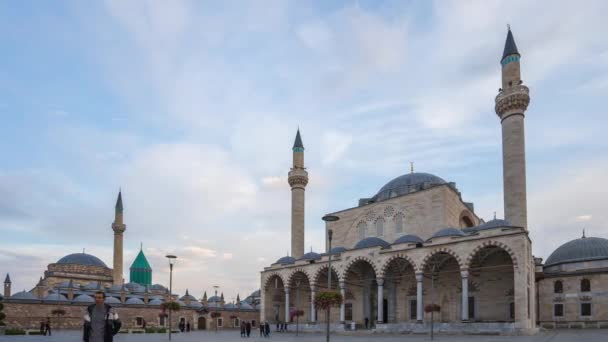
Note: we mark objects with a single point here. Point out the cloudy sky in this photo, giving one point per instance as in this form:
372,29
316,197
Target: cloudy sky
192,108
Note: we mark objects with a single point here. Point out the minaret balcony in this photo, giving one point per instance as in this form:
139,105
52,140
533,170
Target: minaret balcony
513,100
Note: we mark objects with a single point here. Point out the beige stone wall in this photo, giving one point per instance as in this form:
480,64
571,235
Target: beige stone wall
571,298
514,170
424,213
28,316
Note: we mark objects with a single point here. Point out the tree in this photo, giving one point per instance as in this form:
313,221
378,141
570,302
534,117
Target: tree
59,312
296,313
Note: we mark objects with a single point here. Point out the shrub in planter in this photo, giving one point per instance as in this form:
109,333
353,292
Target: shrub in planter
15,332
161,330
432,308
326,299
173,306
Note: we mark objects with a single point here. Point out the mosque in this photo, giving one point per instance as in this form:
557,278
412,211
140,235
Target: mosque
417,241
71,282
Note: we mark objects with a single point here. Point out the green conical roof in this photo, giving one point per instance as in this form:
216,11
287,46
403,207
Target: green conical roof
141,262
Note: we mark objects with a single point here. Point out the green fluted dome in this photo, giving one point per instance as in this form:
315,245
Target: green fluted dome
140,271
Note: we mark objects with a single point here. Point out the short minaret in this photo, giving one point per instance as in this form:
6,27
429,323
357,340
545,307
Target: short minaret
119,228
298,178
511,104
7,286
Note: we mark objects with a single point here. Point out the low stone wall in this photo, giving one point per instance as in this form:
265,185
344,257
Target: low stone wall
574,325
449,328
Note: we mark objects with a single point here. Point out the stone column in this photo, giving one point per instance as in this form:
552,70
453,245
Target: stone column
313,292
286,305
465,294
419,297
380,282
342,308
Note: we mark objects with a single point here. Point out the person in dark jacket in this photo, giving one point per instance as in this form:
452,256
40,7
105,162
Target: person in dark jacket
243,332
101,322
188,326
248,328
261,329
266,329
42,332
47,326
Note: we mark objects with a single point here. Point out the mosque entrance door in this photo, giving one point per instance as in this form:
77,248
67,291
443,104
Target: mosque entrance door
202,323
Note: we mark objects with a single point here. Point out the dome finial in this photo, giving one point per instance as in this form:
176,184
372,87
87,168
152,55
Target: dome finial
495,215
584,233
83,251
411,167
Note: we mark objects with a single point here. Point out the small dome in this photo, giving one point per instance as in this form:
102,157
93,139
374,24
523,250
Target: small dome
583,249
407,183
82,259
115,288
371,242
311,256
24,295
158,287
214,299
84,299
158,297
336,250
246,306
213,305
256,293
155,302
134,301
92,285
495,223
409,238
229,306
112,300
188,296
55,297
195,305
286,260
448,232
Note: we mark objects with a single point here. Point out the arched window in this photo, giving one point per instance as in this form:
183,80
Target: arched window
379,227
361,230
585,285
399,223
558,287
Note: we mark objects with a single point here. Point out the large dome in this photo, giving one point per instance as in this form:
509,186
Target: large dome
408,183
583,249
82,259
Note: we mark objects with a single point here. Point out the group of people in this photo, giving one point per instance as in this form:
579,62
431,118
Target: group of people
246,329
45,327
184,326
281,326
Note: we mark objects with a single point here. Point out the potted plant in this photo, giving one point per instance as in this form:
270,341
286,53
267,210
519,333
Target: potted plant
432,308
296,313
59,312
326,299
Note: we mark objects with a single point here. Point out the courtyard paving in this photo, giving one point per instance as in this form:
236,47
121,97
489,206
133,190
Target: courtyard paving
233,336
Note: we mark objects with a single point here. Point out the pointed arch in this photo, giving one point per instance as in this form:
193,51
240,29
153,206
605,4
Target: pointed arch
357,260
442,250
491,243
271,276
395,257
317,276
299,270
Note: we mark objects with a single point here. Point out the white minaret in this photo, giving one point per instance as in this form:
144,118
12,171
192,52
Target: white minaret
511,104
298,178
119,228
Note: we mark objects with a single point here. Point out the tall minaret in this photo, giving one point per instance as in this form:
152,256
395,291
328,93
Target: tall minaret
298,178
511,104
118,227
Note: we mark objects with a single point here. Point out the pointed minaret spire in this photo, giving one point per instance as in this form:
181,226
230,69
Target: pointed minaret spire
584,233
205,296
187,294
510,47
119,202
7,286
7,280
238,298
297,144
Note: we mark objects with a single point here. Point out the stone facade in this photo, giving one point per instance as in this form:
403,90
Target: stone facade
421,213
28,315
58,273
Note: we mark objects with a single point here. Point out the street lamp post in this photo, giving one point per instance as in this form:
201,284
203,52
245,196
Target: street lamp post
329,218
171,262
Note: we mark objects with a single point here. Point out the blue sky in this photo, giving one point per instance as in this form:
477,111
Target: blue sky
192,107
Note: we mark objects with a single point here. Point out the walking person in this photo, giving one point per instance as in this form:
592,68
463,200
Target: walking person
47,326
366,322
248,328
243,329
101,322
266,329
42,332
261,329
188,326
